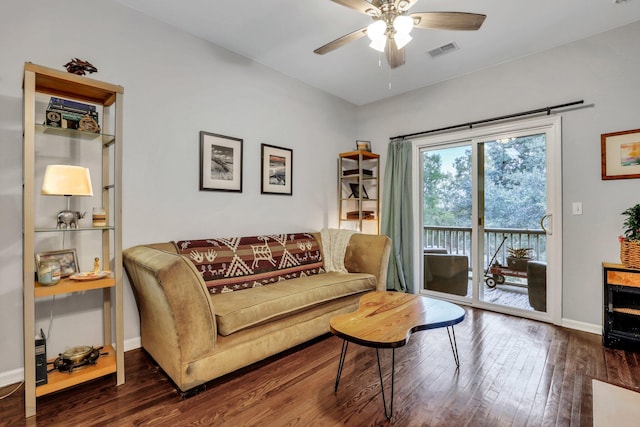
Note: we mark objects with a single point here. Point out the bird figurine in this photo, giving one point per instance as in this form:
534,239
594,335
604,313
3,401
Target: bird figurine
80,67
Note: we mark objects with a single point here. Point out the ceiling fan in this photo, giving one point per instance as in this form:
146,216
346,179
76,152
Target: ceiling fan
389,31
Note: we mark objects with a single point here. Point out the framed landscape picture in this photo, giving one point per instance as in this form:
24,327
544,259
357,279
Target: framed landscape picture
620,154
276,170
220,162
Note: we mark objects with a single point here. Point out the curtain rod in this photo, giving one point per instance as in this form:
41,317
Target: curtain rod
493,119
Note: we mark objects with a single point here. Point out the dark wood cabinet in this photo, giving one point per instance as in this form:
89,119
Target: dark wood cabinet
621,322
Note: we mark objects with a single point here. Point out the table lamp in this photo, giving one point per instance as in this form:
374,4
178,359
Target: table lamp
65,180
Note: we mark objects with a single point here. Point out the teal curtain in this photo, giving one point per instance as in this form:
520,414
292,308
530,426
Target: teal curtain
397,215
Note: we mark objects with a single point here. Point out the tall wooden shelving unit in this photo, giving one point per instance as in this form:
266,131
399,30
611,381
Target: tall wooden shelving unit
40,80
358,191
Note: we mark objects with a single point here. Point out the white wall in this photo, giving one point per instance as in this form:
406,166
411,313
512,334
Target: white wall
602,70
175,86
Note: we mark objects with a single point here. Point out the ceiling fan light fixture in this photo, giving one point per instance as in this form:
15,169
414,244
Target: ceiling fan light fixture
376,33
376,30
379,44
392,24
403,24
402,39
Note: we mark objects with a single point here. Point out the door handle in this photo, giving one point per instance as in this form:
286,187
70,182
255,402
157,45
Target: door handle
550,217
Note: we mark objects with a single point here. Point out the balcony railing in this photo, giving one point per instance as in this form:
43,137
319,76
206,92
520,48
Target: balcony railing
457,240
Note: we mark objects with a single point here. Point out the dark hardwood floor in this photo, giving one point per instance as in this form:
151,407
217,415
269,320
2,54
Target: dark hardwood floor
513,372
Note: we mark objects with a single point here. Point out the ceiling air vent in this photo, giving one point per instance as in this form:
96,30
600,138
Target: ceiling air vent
446,48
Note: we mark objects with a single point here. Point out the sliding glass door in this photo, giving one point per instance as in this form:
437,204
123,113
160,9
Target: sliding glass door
512,202
447,194
489,234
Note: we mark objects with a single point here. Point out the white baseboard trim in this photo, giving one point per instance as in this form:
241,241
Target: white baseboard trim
11,377
17,375
132,344
582,326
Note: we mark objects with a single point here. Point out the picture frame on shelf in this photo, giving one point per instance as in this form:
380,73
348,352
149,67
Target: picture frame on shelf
363,145
276,170
355,191
620,154
220,162
67,258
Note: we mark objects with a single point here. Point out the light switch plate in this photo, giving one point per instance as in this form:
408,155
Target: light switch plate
577,208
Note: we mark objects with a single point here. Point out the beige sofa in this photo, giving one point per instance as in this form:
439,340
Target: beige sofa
196,336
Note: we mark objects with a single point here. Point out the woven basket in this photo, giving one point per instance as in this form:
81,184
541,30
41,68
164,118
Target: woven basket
630,253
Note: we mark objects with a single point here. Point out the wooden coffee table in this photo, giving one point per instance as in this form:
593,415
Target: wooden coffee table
386,320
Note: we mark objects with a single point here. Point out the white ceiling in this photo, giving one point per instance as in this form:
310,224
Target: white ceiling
282,35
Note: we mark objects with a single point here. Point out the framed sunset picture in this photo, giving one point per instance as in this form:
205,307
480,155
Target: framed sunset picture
620,154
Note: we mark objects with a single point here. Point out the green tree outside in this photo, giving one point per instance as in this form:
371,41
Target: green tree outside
514,184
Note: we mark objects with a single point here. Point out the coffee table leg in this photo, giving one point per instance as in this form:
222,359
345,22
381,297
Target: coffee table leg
454,345
393,374
343,354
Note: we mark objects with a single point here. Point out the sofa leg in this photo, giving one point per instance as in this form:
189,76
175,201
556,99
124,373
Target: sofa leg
192,391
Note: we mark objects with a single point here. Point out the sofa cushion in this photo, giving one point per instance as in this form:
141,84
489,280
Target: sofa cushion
232,264
239,310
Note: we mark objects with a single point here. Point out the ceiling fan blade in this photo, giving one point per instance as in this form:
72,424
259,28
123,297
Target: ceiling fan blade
447,20
361,6
395,56
341,41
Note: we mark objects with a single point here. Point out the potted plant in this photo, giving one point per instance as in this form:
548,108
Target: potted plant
632,223
518,258
630,241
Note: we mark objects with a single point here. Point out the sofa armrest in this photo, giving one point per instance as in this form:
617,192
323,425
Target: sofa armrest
369,253
177,321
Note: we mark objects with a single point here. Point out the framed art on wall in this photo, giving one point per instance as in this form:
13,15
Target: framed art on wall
220,162
620,152
276,170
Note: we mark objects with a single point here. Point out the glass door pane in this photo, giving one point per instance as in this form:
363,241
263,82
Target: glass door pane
513,202
447,213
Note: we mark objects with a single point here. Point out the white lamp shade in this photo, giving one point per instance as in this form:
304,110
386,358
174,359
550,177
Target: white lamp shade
403,24
379,44
402,39
376,30
65,180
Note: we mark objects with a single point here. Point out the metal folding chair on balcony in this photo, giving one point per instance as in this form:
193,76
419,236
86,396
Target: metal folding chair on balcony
537,285
446,273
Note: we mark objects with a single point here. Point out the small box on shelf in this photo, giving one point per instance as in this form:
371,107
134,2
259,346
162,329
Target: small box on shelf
366,215
41,359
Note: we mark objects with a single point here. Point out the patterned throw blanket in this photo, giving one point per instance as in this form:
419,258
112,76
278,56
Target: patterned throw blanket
233,264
